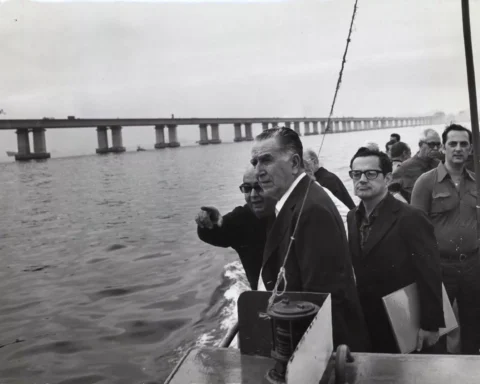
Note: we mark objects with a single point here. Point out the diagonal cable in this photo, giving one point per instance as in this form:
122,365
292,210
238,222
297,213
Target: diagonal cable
281,274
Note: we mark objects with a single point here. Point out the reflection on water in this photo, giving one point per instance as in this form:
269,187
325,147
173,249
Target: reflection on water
102,276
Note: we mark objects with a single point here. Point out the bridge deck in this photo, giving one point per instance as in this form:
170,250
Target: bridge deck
89,123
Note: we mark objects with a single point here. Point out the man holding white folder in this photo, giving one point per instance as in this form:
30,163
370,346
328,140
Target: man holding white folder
393,245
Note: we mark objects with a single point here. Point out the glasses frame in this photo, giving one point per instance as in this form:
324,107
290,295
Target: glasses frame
255,187
433,144
377,172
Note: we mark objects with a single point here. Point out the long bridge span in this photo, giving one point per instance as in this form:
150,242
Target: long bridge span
311,126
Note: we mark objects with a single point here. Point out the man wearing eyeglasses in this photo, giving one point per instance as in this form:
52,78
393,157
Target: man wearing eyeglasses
427,158
448,194
392,245
244,229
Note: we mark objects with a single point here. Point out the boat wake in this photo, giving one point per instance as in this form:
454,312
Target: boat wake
222,311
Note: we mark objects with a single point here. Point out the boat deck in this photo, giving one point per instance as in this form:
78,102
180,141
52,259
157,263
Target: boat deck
229,366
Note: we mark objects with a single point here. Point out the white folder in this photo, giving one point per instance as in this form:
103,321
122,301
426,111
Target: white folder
403,310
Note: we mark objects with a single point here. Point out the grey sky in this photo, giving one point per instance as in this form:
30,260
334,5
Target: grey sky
231,59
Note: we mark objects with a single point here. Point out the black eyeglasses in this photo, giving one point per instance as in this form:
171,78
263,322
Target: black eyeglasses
463,144
370,174
433,144
247,188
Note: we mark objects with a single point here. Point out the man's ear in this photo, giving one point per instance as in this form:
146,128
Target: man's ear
388,178
296,163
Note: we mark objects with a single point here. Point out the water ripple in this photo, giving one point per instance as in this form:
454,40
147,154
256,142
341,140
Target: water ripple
102,275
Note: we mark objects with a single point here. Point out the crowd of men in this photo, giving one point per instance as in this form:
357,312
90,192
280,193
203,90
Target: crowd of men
415,223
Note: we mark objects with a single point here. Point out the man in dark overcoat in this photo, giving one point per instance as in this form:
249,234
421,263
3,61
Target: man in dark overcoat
392,245
318,260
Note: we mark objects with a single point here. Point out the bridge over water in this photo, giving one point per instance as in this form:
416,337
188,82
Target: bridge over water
311,126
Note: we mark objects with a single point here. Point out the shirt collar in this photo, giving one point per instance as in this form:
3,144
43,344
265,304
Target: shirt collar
360,210
442,173
281,202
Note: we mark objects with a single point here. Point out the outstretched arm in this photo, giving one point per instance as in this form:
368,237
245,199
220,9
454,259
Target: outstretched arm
227,230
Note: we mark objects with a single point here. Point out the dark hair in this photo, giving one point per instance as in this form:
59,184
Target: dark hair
383,159
391,142
396,136
287,138
398,149
455,127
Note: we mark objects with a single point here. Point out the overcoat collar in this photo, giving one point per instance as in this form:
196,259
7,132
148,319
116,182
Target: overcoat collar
284,219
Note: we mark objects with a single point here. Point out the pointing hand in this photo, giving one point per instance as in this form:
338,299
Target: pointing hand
208,217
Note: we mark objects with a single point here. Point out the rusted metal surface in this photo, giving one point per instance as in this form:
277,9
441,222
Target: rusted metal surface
221,366
228,366
371,368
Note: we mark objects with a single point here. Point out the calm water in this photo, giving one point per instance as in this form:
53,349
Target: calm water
103,278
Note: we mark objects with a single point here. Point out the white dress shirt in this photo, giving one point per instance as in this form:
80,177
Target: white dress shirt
281,202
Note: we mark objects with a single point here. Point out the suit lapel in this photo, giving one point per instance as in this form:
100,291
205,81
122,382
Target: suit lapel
353,235
284,220
387,216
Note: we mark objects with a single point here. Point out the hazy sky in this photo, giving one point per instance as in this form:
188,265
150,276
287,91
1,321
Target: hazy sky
113,59
244,58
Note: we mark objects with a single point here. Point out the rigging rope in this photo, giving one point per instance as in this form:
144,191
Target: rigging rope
281,274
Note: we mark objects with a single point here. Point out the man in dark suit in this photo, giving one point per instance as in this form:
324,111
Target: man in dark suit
244,229
392,245
328,179
319,259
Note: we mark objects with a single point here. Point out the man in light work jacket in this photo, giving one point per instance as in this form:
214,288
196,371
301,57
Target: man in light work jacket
448,194
319,260
392,245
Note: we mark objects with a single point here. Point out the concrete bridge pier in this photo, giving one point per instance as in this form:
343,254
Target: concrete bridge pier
203,134
349,125
39,144
172,136
248,132
315,128
306,128
215,135
288,124
117,141
23,145
238,131
296,127
336,125
160,136
102,139
323,126
264,126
